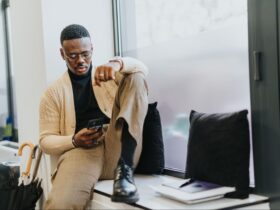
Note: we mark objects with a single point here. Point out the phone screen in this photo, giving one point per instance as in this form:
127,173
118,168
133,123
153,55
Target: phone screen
95,123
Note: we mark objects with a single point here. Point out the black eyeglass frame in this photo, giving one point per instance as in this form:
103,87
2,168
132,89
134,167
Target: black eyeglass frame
86,55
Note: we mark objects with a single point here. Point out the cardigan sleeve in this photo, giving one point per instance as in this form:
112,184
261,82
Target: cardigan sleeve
51,141
130,66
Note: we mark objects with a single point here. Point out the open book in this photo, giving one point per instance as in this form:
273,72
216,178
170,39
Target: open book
189,191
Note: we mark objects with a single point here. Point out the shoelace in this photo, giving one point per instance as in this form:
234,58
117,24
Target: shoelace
124,171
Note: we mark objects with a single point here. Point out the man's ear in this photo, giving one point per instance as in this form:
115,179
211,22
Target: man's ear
62,53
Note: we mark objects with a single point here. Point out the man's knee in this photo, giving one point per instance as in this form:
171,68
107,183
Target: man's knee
136,80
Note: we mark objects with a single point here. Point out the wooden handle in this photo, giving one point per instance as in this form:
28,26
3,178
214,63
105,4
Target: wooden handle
38,159
28,165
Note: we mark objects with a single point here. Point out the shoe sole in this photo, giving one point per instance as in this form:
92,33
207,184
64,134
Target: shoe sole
123,199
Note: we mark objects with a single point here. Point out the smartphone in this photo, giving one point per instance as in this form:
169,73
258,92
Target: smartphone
96,123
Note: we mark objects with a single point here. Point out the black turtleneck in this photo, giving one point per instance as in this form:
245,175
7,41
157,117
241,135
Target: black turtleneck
86,106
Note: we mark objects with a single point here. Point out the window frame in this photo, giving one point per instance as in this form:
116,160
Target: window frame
5,9
263,36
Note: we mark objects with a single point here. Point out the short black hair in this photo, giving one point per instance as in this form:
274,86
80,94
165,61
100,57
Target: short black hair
73,31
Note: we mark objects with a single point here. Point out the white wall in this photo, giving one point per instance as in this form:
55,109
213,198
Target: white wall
95,15
35,33
28,64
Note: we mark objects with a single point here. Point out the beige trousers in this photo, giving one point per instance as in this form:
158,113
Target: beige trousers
79,169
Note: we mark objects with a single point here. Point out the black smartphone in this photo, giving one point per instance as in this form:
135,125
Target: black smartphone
96,123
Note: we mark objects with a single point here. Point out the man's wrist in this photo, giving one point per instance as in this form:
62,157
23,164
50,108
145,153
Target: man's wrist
74,141
119,61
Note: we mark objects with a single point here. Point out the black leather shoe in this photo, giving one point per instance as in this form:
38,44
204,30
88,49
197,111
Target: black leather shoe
124,189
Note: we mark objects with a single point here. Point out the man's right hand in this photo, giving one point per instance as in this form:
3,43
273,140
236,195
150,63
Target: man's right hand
106,72
86,137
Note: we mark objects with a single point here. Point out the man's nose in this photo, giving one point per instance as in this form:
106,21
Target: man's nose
81,58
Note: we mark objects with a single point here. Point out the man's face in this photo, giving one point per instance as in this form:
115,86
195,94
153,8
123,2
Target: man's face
77,54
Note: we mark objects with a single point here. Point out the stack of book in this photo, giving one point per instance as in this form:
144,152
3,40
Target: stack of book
192,191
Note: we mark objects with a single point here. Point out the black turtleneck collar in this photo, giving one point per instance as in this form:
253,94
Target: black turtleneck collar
80,77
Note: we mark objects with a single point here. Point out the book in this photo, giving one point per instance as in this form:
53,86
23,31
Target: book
189,191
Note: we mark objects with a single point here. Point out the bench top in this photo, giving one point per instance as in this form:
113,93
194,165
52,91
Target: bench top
149,199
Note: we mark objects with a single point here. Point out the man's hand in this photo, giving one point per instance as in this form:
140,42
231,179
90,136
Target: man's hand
86,137
106,72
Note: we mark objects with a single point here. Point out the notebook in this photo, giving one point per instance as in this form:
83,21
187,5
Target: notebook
189,191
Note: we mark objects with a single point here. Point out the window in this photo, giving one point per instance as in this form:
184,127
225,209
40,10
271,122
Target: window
7,120
197,53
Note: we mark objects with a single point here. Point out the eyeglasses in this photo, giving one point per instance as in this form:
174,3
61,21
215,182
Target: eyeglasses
86,55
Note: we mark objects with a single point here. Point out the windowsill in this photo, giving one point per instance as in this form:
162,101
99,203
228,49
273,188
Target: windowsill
150,200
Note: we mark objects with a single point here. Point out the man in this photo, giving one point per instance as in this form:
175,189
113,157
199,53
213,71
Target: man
115,92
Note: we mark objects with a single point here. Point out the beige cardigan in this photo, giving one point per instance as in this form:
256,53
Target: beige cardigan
57,112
